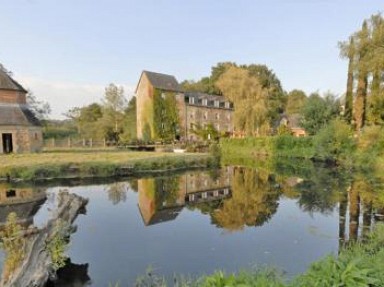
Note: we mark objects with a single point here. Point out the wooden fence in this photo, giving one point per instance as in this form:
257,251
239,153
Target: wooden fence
77,143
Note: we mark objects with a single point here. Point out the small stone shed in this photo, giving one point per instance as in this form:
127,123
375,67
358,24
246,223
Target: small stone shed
20,130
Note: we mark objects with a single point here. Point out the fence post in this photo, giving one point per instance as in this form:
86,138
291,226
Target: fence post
53,142
83,142
105,143
69,141
91,143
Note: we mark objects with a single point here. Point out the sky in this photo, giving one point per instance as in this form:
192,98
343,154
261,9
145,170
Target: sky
66,52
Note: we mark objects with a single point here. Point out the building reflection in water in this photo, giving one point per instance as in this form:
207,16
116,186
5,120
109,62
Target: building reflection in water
24,201
161,199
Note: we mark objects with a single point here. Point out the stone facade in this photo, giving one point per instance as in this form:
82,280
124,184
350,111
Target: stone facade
20,131
200,110
194,109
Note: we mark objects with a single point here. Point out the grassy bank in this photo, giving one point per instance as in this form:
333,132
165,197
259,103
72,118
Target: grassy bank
80,164
335,143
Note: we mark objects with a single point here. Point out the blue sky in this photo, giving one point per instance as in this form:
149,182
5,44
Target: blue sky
67,51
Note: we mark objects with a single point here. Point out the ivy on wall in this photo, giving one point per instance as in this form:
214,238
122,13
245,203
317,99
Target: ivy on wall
166,118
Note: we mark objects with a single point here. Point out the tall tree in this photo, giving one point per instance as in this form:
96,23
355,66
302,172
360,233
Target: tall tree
318,111
129,124
249,98
365,52
114,104
362,82
348,51
40,108
296,100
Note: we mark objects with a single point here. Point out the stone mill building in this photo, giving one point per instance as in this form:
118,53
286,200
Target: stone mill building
20,130
194,109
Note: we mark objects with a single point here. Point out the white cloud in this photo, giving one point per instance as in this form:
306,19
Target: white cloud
63,96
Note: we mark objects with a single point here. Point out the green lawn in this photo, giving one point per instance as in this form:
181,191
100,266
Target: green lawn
93,163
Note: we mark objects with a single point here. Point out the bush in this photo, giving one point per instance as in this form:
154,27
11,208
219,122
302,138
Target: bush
335,142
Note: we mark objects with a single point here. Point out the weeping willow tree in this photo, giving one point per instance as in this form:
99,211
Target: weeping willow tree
250,99
364,104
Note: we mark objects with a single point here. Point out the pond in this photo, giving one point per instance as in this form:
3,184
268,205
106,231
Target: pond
196,222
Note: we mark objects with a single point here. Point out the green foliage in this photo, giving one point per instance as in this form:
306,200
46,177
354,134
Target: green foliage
364,50
13,244
370,146
57,245
166,117
208,132
262,278
358,265
250,99
267,108
290,146
296,100
129,133
102,121
59,129
318,111
147,133
335,141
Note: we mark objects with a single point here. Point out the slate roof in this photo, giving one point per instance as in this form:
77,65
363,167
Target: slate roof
199,95
7,83
162,81
162,215
17,115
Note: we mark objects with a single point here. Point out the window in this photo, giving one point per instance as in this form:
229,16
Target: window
191,100
217,103
205,102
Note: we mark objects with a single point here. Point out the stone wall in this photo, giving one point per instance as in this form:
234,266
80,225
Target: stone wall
144,106
24,138
191,116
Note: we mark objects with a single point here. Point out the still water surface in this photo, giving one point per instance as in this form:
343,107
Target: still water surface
198,222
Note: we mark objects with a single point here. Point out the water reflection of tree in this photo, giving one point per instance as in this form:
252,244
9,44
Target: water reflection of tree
254,200
117,192
320,191
364,198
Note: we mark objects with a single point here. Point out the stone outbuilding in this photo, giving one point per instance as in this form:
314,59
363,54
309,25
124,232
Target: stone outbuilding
20,130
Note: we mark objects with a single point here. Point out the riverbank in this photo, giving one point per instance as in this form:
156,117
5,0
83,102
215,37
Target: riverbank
85,164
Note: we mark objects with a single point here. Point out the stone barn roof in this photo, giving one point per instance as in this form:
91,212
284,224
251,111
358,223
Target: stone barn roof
7,83
17,115
162,81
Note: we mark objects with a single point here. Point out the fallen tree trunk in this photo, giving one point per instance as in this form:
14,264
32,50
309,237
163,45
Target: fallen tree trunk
37,266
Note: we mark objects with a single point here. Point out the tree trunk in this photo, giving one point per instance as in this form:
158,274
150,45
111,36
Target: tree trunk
349,93
360,106
36,266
